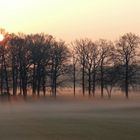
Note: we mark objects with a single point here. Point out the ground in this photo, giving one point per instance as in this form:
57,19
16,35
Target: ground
70,119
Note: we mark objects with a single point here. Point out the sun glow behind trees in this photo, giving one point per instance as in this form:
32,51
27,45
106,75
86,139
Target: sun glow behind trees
1,37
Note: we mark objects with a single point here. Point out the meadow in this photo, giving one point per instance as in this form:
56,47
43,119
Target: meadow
69,118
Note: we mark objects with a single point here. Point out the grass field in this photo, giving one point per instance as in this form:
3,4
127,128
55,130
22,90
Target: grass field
70,119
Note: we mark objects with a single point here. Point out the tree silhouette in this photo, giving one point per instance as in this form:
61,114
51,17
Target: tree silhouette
59,60
127,52
105,58
39,61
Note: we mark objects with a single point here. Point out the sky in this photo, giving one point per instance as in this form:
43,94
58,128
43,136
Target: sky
71,19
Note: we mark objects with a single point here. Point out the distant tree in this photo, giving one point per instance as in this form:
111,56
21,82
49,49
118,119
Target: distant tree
58,64
111,79
40,48
24,63
127,54
74,64
81,48
94,52
92,62
13,53
20,62
105,59
89,63
74,73
4,63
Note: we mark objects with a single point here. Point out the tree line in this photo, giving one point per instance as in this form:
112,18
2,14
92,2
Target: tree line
38,62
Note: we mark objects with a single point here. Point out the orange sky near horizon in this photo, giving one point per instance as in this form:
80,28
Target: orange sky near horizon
71,19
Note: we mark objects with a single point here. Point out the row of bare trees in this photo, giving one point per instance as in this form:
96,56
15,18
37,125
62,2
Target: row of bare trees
108,64
39,63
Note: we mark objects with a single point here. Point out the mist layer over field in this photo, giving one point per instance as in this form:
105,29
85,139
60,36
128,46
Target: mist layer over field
70,118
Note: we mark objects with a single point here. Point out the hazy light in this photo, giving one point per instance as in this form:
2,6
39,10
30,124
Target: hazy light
1,37
71,19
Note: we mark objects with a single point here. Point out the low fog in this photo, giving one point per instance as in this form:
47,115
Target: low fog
70,118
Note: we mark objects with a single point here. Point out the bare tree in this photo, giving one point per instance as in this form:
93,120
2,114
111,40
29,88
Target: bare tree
105,47
40,48
58,63
81,47
4,63
127,55
13,50
93,61
20,56
111,72
74,63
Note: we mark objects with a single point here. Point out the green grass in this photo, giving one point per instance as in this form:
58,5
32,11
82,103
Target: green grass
72,120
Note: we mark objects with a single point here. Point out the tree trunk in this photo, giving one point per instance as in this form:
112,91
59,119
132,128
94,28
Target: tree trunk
44,87
74,79
14,77
44,81
38,79
54,82
102,82
94,82
126,81
89,82
83,80
24,81
34,81
6,76
2,77
20,78
54,87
